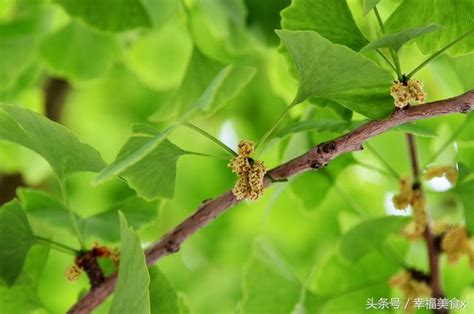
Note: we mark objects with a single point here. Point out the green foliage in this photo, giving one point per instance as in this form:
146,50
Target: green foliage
94,51
319,16
269,284
108,15
456,16
43,209
370,235
59,146
163,297
333,71
397,40
206,87
158,65
154,175
23,296
131,294
16,238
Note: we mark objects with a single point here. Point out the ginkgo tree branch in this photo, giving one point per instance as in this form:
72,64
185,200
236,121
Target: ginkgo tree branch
316,158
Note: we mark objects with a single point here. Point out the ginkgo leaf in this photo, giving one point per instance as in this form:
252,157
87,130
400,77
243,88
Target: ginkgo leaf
16,239
335,72
109,15
320,16
269,284
59,146
94,51
456,16
370,236
163,296
153,176
131,293
397,40
206,87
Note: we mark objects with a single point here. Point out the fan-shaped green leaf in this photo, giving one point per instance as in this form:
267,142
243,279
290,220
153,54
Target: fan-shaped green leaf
331,19
79,51
456,16
335,72
59,146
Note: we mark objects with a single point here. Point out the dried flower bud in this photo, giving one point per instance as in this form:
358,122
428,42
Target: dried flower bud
449,172
455,243
410,92
403,198
72,273
410,286
251,173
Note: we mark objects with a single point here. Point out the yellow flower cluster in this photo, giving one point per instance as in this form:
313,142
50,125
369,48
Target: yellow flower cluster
411,287
410,92
449,172
251,173
456,242
403,198
408,196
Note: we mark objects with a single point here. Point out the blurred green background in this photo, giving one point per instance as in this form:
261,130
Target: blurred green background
258,252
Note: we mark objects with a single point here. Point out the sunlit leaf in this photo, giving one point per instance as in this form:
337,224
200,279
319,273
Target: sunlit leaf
16,239
23,296
320,16
79,52
369,5
456,16
131,293
108,15
370,236
153,176
206,87
163,296
335,72
43,209
59,146
333,126
269,284
397,40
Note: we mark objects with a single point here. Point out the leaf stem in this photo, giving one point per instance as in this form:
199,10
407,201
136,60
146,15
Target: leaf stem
207,155
390,169
211,137
418,68
386,59
393,53
267,134
56,245
71,213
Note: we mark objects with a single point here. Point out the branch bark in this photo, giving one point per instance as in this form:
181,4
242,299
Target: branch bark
316,158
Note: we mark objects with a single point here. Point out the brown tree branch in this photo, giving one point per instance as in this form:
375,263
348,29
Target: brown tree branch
433,252
316,158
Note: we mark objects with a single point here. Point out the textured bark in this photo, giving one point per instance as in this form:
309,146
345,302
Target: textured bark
317,157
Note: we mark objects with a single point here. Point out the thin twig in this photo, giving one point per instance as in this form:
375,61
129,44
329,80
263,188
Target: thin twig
317,157
433,253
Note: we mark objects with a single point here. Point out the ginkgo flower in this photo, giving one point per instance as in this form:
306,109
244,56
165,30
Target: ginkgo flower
251,173
409,92
73,272
455,243
403,198
411,286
